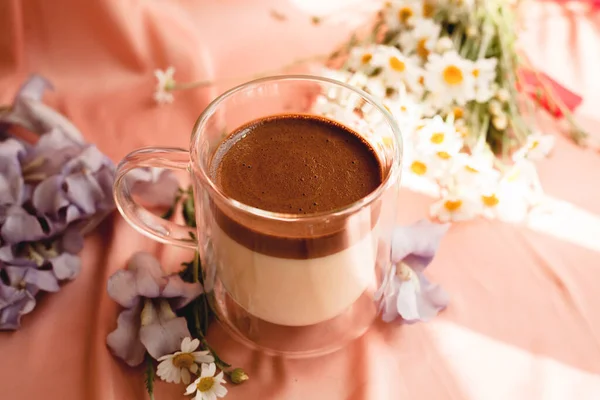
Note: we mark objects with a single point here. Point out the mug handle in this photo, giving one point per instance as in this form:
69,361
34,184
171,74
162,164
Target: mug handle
142,220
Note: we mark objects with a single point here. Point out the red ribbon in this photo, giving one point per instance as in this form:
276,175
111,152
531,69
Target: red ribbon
537,85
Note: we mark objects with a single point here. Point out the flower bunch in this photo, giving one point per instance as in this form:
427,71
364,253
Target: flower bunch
449,74
53,190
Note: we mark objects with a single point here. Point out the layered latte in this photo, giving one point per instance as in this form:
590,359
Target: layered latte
303,269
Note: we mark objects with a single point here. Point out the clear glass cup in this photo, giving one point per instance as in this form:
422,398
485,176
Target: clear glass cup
322,297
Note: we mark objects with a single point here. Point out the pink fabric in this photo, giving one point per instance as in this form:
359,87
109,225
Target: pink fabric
523,323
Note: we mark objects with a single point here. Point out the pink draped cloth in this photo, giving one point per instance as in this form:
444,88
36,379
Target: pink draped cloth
524,320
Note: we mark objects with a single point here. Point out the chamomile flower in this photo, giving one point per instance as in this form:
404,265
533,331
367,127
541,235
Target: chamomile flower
401,14
456,207
420,166
422,39
164,84
449,77
397,68
438,135
504,204
537,147
208,386
406,111
177,367
484,72
474,171
364,59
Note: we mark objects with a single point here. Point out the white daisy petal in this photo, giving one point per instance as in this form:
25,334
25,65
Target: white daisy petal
192,387
185,375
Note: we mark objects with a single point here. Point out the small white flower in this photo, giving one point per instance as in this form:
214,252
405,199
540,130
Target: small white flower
406,111
503,95
484,72
537,147
444,44
208,386
474,172
500,121
401,14
456,207
363,58
449,77
421,39
164,84
437,136
420,165
397,68
495,107
176,367
504,203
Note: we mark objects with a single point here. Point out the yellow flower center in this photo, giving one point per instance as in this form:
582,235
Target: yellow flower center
471,169
205,384
418,168
490,201
404,14
476,72
427,9
422,50
453,75
366,58
403,108
452,205
458,112
397,65
183,360
534,145
421,80
437,138
443,155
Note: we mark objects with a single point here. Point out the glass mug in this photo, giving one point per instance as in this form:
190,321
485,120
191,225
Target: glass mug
303,305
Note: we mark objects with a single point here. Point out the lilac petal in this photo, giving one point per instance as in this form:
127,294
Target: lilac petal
419,300
66,266
89,159
43,280
29,111
84,191
143,277
149,276
122,288
17,303
72,241
72,213
434,294
417,244
20,226
124,342
406,302
105,178
49,196
11,149
181,292
156,187
164,336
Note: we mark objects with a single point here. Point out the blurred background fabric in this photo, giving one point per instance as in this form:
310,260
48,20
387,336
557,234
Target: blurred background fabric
523,323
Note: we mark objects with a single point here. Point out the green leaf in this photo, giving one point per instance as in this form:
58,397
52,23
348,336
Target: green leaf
150,375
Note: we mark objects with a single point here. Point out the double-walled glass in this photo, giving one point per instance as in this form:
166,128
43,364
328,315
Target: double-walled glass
292,284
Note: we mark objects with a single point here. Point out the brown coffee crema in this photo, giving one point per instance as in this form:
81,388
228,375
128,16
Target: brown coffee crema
296,164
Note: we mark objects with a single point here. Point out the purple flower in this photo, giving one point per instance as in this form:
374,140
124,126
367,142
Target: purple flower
148,322
405,291
30,112
14,302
